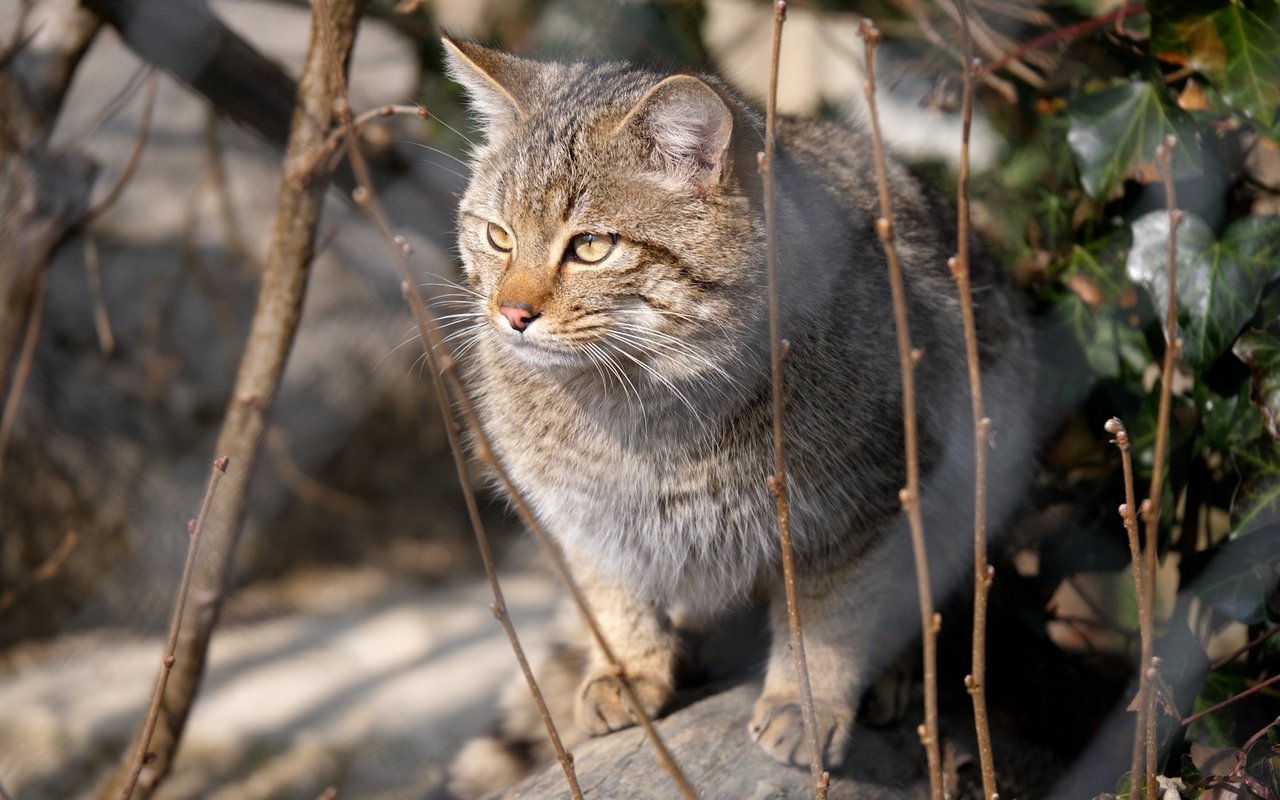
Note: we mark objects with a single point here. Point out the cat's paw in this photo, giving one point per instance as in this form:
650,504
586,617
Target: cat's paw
602,706
778,725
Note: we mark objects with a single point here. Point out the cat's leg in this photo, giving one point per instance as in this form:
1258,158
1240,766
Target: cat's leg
836,677
857,619
644,641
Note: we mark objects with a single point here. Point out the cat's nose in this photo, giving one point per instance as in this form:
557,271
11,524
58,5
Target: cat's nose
519,315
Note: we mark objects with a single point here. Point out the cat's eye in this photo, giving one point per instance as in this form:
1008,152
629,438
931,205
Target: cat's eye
500,238
590,248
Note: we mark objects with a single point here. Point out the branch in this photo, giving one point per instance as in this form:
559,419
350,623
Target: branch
194,529
982,570
1151,507
48,570
1128,513
910,495
777,352
135,157
271,335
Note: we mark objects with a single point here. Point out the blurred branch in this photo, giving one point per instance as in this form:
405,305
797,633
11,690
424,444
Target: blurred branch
43,194
135,157
271,335
45,572
23,371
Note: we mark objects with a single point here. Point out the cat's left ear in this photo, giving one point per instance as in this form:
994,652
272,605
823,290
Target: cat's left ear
498,84
689,126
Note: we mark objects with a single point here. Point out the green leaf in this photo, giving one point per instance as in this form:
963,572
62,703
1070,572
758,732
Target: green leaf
1227,423
1261,351
1217,729
1250,79
1219,282
1115,132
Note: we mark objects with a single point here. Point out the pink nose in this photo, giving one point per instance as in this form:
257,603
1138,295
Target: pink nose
519,315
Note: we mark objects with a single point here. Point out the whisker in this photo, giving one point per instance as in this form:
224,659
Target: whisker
657,376
444,153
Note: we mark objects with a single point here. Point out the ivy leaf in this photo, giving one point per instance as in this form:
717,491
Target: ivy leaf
1261,351
1243,570
1227,423
1114,133
1250,79
1217,729
1220,282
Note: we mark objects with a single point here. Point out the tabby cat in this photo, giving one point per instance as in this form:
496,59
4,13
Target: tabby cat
612,235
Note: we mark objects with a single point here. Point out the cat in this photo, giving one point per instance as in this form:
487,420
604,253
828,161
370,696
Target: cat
612,235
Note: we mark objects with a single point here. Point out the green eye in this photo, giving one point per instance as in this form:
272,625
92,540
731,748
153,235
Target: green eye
500,238
590,248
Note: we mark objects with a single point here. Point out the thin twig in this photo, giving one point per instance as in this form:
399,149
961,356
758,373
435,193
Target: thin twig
25,357
48,570
101,320
777,352
931,34
983,572
1063,34
195,528
307,488
441,364
1257,687
993,44
326,154
1128,513
135,157
1244,648
1151,507
366,199
910,495
217,171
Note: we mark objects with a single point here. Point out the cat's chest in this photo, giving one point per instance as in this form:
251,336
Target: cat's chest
630,489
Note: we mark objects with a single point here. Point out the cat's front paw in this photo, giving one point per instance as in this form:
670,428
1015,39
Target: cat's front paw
778,725
602,705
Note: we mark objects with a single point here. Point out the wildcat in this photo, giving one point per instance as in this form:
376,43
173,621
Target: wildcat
612,237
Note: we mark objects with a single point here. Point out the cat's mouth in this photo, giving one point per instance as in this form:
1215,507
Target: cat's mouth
541,354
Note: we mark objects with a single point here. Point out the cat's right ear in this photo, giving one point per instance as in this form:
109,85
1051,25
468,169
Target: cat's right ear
689,127
496,82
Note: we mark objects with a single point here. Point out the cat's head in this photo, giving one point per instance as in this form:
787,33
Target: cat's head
605,220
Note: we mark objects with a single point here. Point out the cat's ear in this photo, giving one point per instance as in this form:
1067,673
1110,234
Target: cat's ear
689,126
496,82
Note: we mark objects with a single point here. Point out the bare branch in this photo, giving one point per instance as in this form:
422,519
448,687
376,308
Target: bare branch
48,570
194,529
441,364
23,371
910,495
101,319
1151,507
135,157
777,352
1128,512
982,571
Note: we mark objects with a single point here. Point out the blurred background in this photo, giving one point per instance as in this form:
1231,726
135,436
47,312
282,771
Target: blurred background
357,648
